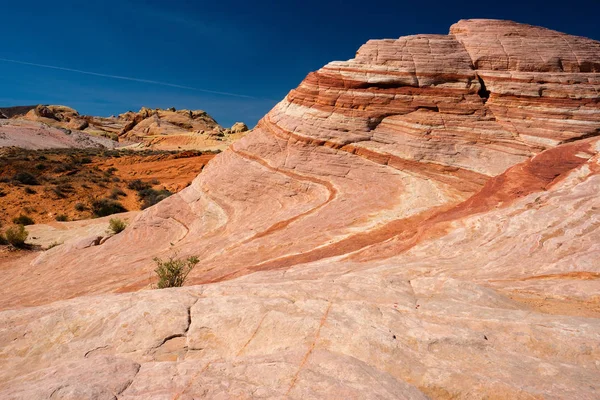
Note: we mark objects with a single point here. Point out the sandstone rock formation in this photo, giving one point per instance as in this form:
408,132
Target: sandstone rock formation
418,222
239,127
169,129
35,136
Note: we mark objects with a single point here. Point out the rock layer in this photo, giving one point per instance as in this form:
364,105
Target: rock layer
420,221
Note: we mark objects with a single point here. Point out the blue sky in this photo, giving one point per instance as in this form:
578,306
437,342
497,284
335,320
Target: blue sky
254,50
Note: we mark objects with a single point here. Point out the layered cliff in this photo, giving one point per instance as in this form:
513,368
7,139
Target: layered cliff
419,221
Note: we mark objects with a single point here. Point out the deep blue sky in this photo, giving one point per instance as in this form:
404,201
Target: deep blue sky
260,49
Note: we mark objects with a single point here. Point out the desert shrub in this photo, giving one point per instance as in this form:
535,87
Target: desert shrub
2,193
116,193
41,167
61,217
117,225
65,167
16,235
110,171
105,207
80,207
138,185
3,240
150,197
85,160
155,181
174,271
25,178
116,179
23,220
29,190
65,187
59,193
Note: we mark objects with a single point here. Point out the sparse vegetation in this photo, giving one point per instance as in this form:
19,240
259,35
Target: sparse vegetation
138,185
65,178
150,197
61,217
25,178
174,271
105,207
17,235
116,193
23,220
117,225
110,171
66,167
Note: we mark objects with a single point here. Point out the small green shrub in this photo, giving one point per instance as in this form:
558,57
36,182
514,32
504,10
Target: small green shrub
29,190
3,240
64,167
80,207
110,171
23,220
138,185
117,225
25,178
150,197
61,217
116,193
105,207
174,271
17,235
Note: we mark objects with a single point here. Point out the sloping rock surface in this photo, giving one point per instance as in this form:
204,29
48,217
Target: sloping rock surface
35,136
418,222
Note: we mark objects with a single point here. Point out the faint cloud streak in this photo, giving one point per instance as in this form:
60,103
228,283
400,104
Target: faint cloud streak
126,78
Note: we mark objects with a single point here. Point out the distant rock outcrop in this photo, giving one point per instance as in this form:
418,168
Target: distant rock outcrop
418,222
169,129
10,112
239,127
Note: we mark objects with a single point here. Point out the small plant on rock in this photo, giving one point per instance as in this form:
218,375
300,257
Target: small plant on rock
174,271
117,225
17,235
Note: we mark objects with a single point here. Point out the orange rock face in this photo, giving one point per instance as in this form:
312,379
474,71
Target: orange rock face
419,221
